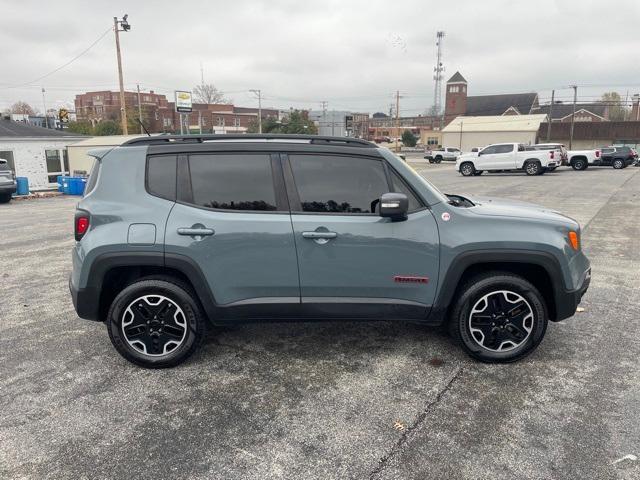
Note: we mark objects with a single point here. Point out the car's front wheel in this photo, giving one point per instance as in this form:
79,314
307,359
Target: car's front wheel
467,169
499,317
155,323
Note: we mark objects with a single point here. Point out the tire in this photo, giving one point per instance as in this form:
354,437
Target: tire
148,304
467,169
618,163
579,164
505,338
533,168
5,198
438,159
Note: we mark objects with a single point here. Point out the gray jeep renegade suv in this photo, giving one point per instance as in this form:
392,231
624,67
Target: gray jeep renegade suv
173,231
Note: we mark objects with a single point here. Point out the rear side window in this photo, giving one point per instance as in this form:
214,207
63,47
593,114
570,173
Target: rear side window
161,176
400,187
233,182
335,184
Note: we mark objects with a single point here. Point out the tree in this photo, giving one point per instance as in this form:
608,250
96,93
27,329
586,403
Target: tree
82,127
408,140
107,127
297,123
22,108
208,93
617,110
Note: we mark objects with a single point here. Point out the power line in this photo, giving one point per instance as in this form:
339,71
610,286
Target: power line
64,65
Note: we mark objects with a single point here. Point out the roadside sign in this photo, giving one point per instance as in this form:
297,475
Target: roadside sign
63,115
183,102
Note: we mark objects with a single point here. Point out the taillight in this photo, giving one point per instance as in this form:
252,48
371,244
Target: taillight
552,154
597,153
82,222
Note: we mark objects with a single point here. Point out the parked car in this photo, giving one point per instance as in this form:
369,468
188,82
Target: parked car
507,157
616,157
558,147
446,153
7,182
176,231
382,139
581,159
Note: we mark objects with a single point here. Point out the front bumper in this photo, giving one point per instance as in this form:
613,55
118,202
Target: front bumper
568,301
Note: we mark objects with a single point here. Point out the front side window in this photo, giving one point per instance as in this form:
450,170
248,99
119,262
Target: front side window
489,150
399,186
336,184
233,182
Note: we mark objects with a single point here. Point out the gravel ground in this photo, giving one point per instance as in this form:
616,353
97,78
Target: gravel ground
327,400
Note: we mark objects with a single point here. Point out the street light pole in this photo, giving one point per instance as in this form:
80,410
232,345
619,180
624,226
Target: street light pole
258,92
116,28
44,105
573,114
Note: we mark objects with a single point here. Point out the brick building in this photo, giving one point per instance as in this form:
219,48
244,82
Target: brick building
159,115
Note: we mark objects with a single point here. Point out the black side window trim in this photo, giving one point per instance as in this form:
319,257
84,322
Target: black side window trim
185,188
420,200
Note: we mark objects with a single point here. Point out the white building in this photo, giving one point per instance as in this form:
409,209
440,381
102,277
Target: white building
40,154
469,132
79,159
331,123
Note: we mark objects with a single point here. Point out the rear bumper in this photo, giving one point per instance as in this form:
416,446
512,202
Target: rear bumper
85,301
568,301
8,188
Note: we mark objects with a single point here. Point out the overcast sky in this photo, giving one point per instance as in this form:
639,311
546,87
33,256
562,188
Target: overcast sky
353,54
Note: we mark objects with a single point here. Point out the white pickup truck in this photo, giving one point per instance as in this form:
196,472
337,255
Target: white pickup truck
507,157
581,159
445,153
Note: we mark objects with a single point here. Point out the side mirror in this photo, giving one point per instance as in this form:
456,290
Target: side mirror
394,206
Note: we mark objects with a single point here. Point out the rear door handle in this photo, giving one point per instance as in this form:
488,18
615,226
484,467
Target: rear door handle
196,232
316,235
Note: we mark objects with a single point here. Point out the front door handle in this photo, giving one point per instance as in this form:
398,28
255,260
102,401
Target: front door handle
316,235
196,232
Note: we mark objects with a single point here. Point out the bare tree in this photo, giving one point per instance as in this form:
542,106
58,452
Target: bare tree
208,93
23,108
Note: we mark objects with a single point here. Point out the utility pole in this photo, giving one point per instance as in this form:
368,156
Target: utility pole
258,93
573,114
140,110
397,118
324,104
125,28
44,105
460,146
553,97
201,74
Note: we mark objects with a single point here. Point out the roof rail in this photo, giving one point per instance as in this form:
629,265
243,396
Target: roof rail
313,139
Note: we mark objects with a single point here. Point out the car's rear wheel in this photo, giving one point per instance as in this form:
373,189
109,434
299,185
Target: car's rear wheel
499,317
533,168
618,163
155,323
579,164
5,198
467,169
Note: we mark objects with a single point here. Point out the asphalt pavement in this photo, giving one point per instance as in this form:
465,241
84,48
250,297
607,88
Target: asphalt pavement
327,400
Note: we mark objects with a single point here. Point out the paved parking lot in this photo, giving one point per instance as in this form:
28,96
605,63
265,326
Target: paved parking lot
327,400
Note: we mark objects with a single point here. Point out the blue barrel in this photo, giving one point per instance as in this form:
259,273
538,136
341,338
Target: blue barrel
66,184
23,186
76,185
